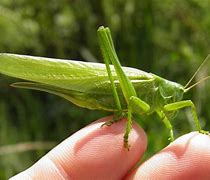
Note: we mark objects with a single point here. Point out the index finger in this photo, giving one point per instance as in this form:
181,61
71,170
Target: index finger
92,153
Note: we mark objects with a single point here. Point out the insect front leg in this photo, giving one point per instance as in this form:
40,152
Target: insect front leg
167,123
182,104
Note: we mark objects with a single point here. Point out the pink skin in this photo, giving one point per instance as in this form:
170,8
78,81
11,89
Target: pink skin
98,153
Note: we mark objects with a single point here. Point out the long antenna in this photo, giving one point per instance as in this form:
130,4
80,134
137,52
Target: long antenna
204,79
196,72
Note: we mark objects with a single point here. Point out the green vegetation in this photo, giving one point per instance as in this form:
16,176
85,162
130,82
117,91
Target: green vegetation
168,38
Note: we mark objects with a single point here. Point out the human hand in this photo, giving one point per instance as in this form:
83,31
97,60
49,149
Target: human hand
98,153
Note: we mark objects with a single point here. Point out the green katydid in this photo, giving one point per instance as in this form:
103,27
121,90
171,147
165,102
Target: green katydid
109,87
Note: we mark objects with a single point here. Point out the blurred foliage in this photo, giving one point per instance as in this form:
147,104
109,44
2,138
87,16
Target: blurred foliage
168,38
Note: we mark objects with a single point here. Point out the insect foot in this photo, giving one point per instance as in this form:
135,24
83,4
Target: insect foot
108,123
171,138
113,120
204,132
126,145
117,117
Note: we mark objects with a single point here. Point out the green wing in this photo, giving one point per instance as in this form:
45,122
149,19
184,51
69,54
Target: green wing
86,100
67,74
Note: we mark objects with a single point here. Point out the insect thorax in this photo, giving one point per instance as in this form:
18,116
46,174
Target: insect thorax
170,91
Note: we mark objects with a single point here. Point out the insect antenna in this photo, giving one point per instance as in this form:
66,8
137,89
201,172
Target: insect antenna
196,72
204,79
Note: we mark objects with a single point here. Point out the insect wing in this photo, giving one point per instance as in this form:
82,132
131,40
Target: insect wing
67,74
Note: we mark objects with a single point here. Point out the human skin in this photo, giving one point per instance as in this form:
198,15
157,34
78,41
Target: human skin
98,153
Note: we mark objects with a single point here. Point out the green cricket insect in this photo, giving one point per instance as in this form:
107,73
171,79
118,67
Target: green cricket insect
111,87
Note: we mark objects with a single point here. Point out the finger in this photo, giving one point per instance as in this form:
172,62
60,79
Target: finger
186,158
92,153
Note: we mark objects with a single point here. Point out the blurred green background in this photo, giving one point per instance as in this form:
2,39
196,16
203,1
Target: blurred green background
168,38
